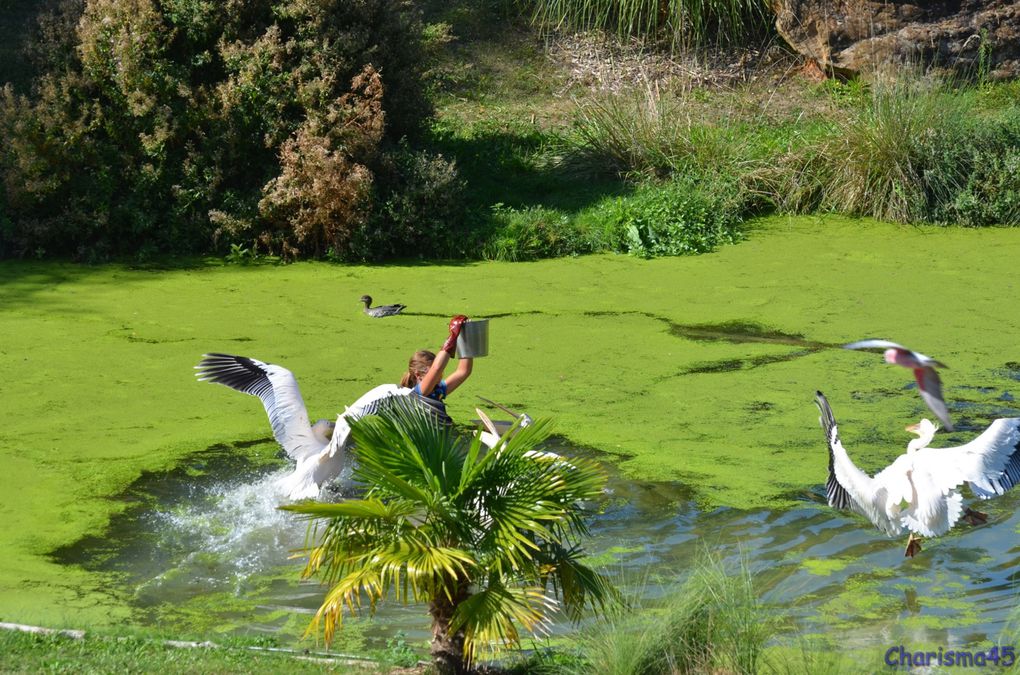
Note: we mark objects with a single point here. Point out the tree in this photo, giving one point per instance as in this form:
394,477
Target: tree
486,538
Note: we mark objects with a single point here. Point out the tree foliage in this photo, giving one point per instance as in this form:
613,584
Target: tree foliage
162,125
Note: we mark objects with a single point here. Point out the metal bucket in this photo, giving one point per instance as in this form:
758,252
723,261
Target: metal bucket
473,340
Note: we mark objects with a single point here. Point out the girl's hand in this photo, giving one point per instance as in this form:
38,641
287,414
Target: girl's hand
456,323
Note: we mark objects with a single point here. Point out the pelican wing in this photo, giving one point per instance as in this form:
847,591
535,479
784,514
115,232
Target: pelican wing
930,386
277,388
371,402
848,487
990,463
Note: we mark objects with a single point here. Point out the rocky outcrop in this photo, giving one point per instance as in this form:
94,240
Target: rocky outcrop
850,36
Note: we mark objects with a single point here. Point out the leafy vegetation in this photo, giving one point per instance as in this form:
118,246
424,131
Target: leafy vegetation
161,127
915,150
713,623
487,539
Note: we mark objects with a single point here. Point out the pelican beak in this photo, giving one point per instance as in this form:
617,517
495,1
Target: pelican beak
914,428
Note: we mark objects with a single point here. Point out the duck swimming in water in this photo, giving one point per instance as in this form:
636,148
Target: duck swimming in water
381,310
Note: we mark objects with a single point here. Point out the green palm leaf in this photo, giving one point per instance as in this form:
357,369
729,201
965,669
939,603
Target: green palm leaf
489,618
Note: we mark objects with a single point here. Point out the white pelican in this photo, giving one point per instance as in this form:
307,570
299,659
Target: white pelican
381,310
928,382
318,449
917,493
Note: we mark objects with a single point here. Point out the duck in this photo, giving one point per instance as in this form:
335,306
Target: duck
319,450
928,383
919,492
381,310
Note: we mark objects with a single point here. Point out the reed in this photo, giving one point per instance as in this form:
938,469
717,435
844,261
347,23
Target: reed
681,23
713,624
892,158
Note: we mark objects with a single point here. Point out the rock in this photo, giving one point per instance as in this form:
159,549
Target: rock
851,36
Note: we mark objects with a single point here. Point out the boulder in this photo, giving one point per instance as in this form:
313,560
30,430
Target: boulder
850,36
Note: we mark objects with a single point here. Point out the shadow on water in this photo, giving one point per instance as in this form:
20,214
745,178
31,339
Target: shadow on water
205,543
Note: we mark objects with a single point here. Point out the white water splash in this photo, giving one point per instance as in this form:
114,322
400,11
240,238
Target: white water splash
220,538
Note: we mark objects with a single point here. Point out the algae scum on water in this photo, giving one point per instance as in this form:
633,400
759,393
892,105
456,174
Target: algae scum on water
692,372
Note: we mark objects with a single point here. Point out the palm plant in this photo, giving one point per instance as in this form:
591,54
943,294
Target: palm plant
486,538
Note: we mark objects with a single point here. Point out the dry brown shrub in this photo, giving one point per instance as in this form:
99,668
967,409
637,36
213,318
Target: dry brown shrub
323,193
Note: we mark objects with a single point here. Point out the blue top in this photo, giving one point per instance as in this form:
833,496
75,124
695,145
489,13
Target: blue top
438,392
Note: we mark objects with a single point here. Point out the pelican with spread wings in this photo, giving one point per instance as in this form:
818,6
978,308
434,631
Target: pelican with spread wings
918,492
318,448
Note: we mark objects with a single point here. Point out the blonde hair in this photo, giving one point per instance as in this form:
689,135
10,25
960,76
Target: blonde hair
417,366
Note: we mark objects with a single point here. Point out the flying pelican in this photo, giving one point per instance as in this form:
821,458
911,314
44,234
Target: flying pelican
928,382
381,310
318,449
918,493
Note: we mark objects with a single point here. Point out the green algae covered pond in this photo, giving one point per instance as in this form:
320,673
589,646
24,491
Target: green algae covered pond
130,492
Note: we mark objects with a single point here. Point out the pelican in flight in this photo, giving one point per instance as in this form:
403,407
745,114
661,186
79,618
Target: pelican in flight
381,310
318,448
928,382
918,493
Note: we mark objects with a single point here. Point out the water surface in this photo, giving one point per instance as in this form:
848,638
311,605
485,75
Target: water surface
205,548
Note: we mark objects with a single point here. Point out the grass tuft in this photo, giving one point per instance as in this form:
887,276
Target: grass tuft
714,623
681,23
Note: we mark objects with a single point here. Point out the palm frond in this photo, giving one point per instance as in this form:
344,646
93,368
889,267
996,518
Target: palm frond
347,592
578,584
354,508
489,617
407,445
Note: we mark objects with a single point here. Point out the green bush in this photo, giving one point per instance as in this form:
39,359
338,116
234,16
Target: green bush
537,232
685,216
991,195
421,210
162,126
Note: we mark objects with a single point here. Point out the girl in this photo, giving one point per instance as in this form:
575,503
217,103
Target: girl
425,369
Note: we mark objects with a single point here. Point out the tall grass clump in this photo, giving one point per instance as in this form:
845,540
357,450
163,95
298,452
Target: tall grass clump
714,623
653,132
904,155
681,23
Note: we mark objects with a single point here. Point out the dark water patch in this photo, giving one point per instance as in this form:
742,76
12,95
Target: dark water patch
131,335
502,315
730,365
743,332
405,313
